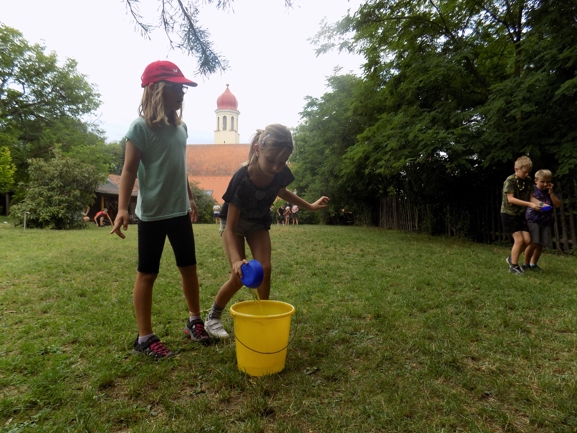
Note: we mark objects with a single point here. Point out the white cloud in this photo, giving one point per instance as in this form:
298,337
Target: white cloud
272,65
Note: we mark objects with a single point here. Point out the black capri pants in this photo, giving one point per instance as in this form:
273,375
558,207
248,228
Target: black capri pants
152,236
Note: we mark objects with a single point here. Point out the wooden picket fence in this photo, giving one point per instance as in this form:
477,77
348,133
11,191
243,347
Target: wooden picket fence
479,220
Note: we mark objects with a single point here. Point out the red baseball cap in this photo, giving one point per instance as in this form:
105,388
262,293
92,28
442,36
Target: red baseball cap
163,70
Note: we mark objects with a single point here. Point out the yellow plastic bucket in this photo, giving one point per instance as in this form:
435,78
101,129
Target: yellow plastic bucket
261,331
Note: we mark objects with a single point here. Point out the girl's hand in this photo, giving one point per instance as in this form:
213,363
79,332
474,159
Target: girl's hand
321,203
120,220
237,267
193,211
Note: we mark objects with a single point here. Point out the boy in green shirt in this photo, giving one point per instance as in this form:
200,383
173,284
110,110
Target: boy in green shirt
517,190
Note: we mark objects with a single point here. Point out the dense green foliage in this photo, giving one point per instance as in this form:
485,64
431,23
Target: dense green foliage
7,169
57,193
43,105
204,204
330,126
53,156
451,93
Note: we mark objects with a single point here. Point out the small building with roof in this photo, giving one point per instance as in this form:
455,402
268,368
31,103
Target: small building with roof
107,197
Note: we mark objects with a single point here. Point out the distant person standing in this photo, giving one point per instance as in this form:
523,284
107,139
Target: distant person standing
287,215
280,215
295,214
216,213
156,153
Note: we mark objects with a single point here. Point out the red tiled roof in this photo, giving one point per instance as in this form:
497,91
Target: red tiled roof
209,165
216,184
215,159
212,165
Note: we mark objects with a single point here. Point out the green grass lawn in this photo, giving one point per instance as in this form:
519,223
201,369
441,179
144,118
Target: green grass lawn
394,332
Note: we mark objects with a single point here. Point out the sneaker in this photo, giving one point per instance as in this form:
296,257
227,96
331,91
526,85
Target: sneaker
215,329
535,268
152,347
515,270
196,331
508,260
525,267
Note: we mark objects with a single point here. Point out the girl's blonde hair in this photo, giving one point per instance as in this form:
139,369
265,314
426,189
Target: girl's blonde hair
152,106
272,137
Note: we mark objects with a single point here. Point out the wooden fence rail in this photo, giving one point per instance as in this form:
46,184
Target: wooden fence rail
480,220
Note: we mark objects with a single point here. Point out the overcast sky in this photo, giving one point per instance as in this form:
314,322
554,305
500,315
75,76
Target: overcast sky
273,66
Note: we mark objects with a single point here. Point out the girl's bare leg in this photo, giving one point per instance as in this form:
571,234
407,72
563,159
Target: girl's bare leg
190,288
233,284
142,299
260,247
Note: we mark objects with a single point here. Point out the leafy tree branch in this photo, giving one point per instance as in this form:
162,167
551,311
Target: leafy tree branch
180,21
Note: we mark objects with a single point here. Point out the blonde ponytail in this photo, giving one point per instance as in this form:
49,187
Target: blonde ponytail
273,136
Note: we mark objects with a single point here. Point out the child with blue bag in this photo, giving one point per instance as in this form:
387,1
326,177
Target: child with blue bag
540,222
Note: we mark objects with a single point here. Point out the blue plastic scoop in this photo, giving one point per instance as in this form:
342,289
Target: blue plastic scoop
252,274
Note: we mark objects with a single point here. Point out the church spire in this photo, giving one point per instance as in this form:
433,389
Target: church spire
226,119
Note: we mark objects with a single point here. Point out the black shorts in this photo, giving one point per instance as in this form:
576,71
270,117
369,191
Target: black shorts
244,228
514,223
152,236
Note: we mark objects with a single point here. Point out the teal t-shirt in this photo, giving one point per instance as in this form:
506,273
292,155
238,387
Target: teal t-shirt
162,177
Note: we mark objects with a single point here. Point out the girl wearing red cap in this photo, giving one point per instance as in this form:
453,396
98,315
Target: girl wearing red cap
165,207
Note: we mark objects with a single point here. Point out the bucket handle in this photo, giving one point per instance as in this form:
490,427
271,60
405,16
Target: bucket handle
278,351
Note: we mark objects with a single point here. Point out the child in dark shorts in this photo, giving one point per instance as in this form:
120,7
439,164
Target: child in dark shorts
517,190
540,222
246,216
156,152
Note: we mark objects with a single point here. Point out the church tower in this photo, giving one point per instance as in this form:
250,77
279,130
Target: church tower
226,119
